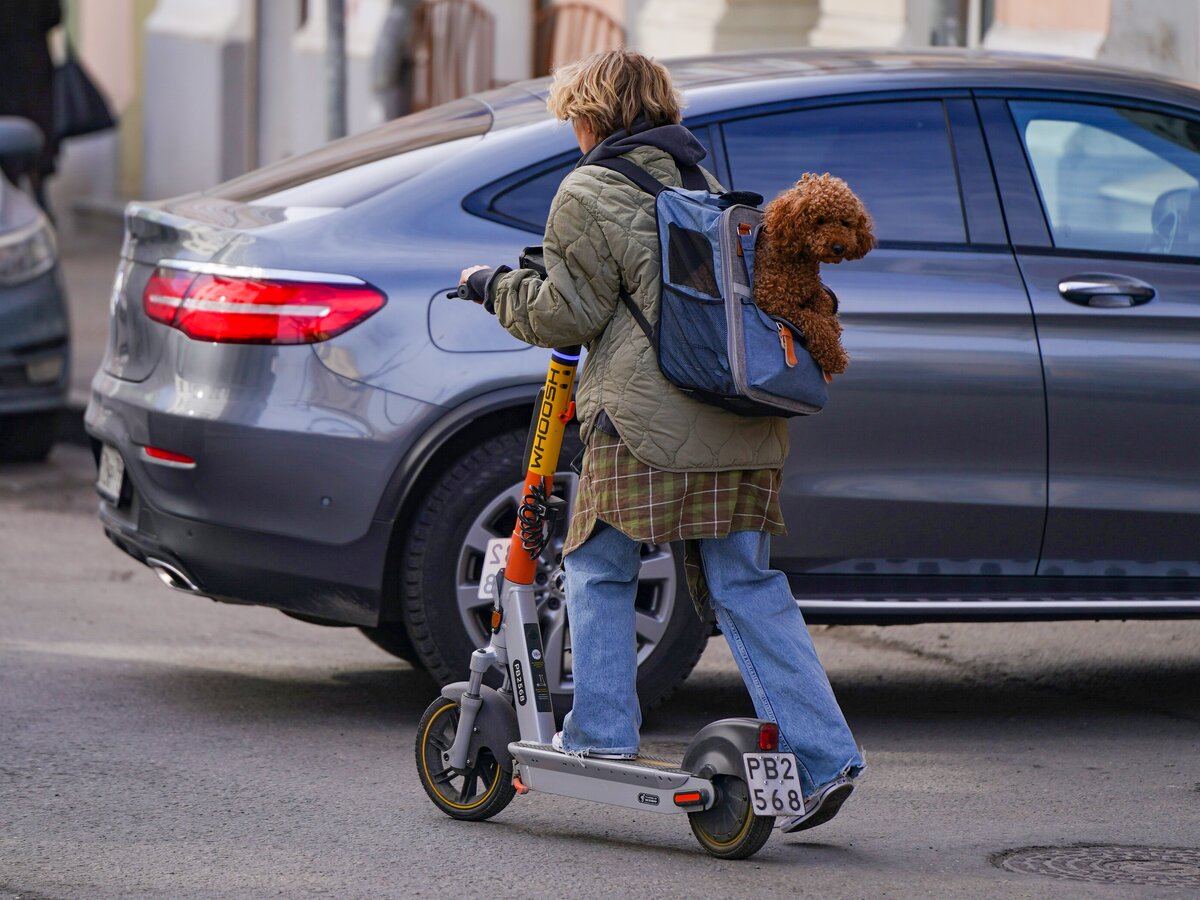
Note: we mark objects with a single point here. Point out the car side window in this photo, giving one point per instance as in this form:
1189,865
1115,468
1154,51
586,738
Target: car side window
527,200
896,155
1114,179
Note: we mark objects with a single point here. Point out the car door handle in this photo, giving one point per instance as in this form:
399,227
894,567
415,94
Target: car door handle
1108,291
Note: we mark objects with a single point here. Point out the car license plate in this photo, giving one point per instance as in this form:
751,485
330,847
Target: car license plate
493,561
774,782
112,474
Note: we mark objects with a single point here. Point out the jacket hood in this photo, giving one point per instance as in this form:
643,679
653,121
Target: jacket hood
674,139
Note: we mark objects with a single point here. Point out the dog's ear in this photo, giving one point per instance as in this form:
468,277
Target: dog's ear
864,227
788,218
864,235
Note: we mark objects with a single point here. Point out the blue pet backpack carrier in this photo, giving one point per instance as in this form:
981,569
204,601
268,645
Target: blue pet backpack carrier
712,341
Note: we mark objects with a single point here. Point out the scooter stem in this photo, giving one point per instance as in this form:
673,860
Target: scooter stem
516,637
555,409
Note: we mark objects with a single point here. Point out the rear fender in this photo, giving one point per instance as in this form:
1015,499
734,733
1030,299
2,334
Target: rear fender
495,725
717,748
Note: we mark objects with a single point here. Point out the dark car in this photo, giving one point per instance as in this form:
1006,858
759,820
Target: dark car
290,412
34,333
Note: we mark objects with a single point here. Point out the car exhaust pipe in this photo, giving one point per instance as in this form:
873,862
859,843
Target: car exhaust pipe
172,577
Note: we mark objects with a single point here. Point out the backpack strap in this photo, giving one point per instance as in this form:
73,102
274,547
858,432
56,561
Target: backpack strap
748,241
693,177
693,180
634,173
639,317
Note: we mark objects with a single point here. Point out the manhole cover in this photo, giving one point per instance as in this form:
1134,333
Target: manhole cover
1107,864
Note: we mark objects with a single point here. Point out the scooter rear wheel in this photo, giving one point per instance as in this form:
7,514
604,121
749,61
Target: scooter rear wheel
478,793
729,829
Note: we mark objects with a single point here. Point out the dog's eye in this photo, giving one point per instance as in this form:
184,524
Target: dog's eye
821,221
845,223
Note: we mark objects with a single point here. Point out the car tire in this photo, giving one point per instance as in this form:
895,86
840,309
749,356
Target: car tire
475,499
28,437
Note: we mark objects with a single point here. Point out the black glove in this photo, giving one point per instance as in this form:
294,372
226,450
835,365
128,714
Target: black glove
480,287
475,287
486,285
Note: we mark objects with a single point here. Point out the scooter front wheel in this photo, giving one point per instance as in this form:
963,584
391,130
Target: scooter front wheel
477,793
729,829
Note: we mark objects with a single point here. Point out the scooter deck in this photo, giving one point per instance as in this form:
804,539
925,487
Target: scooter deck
643,783
657,763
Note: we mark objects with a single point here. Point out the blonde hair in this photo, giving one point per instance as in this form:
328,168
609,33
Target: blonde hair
611,89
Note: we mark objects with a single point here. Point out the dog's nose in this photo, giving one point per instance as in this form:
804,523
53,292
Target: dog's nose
839,249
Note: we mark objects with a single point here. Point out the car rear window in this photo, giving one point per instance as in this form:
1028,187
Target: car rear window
350,186
523,199
895,155
528,202
465,118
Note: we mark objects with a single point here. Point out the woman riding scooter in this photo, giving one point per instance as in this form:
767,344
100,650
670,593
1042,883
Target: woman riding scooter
658,465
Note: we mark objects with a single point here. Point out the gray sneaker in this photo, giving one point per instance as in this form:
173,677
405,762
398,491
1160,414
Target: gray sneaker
556,743
820,807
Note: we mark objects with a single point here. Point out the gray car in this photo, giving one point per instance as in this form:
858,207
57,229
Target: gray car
34,333
290,413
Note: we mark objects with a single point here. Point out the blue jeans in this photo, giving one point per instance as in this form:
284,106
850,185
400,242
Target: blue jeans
759,618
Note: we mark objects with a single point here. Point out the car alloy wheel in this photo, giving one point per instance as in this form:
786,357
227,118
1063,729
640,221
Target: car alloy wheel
658,583
441,561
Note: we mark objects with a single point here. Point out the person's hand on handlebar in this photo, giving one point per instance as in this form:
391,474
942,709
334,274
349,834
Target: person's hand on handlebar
468,272
473,289
474,282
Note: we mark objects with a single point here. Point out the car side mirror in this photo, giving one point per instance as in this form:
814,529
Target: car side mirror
20,141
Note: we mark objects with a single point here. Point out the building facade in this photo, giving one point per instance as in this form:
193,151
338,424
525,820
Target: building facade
208,89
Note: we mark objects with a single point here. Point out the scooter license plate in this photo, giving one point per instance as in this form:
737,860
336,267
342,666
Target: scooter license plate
493,561
111,476
774,783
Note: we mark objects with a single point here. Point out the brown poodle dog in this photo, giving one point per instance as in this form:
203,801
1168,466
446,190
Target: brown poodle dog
819,220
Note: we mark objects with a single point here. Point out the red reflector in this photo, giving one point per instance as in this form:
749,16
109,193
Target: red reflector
168,456
768,737
256,310
688,798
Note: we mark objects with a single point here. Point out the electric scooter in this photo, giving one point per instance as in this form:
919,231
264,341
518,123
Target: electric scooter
478,747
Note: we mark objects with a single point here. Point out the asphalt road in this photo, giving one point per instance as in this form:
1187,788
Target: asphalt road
158,745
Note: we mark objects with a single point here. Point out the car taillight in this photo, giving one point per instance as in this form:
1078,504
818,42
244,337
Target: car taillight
210,306
164,293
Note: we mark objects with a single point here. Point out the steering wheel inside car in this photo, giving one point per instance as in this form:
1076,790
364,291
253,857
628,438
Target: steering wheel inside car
1171,220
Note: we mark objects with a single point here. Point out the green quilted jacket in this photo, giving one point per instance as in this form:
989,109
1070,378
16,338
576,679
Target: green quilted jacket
601,232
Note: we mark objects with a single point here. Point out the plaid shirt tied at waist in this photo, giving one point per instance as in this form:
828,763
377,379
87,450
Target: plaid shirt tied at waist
657,507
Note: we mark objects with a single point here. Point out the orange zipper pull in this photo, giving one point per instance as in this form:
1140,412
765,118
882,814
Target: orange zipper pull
788,343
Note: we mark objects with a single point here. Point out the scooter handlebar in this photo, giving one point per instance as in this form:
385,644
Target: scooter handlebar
531,258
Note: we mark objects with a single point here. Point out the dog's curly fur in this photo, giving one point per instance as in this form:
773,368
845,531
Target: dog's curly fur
818,220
